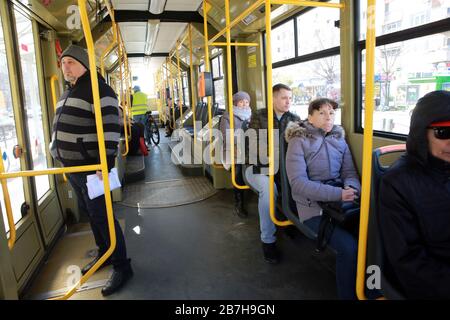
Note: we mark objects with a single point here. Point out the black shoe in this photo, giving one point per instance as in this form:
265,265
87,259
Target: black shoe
271,254
88,267
117,280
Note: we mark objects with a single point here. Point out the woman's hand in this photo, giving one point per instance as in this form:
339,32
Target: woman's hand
349,194
99,175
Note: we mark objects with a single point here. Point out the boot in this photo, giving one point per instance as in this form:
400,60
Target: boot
239,204
271,254
118,278
88,267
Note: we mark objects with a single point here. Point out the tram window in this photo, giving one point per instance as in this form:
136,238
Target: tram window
397,15
408,64
219,96
404,72
311,80
185,88
316,30
32,102
8,138
215,67
218,82
283,42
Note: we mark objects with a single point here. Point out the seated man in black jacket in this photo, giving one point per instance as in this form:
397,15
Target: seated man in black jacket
414,204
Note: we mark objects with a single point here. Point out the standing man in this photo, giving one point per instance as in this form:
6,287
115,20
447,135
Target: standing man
139,107
282,98
75,143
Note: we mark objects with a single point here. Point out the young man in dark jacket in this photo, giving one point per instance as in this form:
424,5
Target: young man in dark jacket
414,204
75,143
256,174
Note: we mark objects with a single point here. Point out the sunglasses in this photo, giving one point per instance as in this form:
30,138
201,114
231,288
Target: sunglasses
441,133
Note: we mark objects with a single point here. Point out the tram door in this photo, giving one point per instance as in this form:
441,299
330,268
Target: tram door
24,141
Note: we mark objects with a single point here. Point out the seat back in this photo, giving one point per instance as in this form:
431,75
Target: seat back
376,245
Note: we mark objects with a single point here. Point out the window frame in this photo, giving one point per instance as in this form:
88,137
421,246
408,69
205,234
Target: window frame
427,29
297,59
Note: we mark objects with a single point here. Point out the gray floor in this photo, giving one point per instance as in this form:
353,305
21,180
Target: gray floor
204,251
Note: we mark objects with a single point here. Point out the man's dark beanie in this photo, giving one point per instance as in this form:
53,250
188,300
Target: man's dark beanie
78,53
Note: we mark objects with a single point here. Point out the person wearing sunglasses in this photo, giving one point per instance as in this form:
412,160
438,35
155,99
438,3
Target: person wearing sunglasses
414,205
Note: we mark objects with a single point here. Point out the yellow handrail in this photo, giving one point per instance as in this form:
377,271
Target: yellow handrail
191,68
238,19
101,145
230,99
309,3
180,88
270,117
9,214
367,151
54,78
237,44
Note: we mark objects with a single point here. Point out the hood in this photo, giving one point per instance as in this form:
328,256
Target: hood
305,129
433,107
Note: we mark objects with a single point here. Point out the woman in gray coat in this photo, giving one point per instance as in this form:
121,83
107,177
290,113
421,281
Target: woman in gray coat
242,113
317,153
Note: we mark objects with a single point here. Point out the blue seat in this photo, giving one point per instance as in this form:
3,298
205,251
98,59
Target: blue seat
389,285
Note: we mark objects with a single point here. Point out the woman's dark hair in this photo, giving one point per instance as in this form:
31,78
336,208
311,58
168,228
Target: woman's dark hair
316,104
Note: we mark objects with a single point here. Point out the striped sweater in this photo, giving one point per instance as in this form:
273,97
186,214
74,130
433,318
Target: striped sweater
74,133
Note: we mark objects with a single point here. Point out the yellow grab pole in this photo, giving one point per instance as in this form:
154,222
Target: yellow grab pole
270,117
309,3
33,173
230,98
172,87
191,69
180,87
237,44
54,78
9,214
125,110
367,151
101,145
238,19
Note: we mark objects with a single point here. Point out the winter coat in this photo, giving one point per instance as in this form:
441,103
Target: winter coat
260,120
74,132
224,126
313,157
414,210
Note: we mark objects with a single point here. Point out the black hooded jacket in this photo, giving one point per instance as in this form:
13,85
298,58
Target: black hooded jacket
414,209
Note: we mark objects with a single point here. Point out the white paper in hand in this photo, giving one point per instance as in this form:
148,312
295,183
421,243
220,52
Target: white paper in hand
95,185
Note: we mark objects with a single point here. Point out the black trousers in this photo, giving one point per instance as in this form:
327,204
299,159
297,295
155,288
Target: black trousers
239,193
96,210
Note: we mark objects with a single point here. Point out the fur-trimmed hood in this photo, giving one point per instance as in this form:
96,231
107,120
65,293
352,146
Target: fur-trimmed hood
306,129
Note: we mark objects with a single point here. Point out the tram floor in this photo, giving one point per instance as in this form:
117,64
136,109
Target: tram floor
204,251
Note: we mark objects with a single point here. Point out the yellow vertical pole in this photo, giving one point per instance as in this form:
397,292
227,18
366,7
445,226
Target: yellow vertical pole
53,79
180,86
367,150
9,214
191,69
207,69
270,116
172,89
230,97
